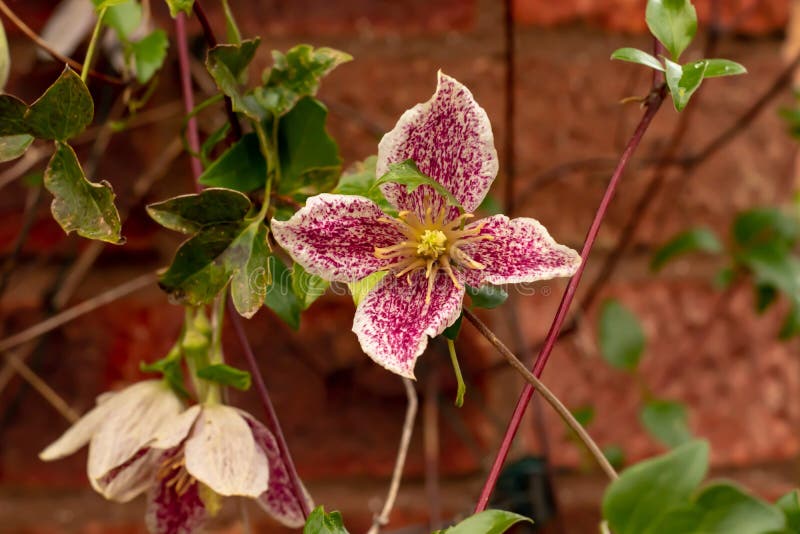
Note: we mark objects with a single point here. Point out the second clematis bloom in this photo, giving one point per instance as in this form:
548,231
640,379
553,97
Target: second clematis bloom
429,250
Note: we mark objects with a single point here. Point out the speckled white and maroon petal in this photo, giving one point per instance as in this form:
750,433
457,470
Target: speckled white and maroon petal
393,322
334,236
521,251
129,480
450,139
279,501
170,513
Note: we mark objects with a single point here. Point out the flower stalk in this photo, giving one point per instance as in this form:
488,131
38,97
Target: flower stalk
90,52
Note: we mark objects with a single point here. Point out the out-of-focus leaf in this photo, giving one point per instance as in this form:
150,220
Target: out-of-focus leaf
486,522
487,296
646,491
13,146
309,157
124,18
621,337
763,226
360,180
5,58
280,297
319,522
188,214
360,289
63,111
694,240
789,504
308,287
80,205
666,421
149,54
176,6
584,415
451,332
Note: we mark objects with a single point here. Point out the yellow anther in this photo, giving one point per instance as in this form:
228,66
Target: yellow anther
432,244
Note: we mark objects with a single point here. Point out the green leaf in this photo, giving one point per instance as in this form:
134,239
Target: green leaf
789,504
280,297
99,5
673,22
723,67
487,522
765,296
773,265
791,323
189,214
309,157
80,205
721,508
227,64
762,226
149,54
408,174
124,18
5,58
666,421
231,28
226,375
451,332
308,287
634,55
645,491
615,455
360,289
694,240
249,255
242,167
176,6
490,206
12,116
294,75
487,296
684,81
170,368
360,180
13,146
621,338
63,111
319,522
584,415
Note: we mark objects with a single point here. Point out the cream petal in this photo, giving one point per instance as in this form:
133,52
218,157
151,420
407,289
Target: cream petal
174,430
77,435
130,479
222,454
131,419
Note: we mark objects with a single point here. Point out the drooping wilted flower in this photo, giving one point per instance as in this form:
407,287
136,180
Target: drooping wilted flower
429,249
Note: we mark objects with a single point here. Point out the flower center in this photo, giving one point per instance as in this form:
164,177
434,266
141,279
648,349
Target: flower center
432,245
173,472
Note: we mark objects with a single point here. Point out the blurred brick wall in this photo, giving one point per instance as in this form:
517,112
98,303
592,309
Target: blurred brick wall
342,414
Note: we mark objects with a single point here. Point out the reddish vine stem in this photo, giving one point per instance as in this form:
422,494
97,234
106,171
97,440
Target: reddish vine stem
510,105
193,137
652,104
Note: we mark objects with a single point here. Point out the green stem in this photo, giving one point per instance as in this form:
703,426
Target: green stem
269,148
462,388
87,62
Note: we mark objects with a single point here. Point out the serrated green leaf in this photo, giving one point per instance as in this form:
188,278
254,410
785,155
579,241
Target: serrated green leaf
723,67
684,81
644,492
242,167
487,296
319,522
149,54
487,522
721,508
280,297
226,375
13,146
634,55
12,116
294,75
189,214
408,174
694,240
789,504
5,58
359,180
309,157
666,421
176,6
673,22
124,18
227,64
360,289
621,338
250,272
308,287
63,111
80,205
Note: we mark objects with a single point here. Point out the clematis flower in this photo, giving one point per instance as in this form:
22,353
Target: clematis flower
118,431
429,250
212,451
